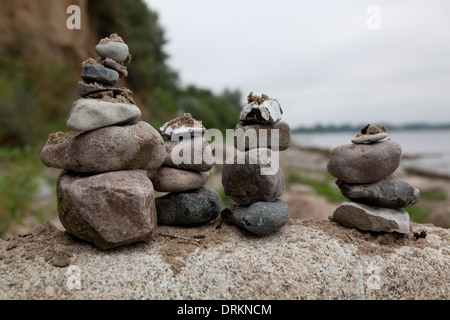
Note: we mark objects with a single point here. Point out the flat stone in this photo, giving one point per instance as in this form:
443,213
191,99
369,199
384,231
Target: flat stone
364,163
110,209
391,192
137,146
94,73
115,50
166,179
261,218
188,208
370,138
86,89
370,218
184,125
247,136
269,111
112,64
90,114
246,183
190,154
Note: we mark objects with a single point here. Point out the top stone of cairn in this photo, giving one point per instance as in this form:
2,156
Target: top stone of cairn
261,110
370,134
183,125
113,47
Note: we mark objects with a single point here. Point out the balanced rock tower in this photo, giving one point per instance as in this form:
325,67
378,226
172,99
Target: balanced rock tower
100,197
253,178
183,174
365,172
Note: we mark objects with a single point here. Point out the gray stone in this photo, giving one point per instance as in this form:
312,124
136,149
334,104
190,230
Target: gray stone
86,89
188,208
166,179
94,73
90,114
115,50
137,146
246,183
110,209
269,111
370,218
261,218
364,163
200,159
391,192
370,138
112,64
247,136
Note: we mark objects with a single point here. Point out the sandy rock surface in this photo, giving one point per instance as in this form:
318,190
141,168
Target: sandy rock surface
306,259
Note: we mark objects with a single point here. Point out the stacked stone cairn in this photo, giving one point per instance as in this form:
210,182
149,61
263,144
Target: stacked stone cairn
100,196
365,171
258,138
184,173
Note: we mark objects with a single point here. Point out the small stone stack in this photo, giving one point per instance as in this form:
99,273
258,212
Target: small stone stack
100,198
183,174
365,176
259,209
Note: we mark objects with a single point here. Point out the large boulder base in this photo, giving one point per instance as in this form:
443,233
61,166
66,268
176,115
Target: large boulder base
306,259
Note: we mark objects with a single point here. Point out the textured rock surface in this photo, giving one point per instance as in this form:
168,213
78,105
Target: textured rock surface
200,159
261,218
242,143
305,259
137,146
245,184
89,114
364,163
188,208
391,192
370,218
166,179
109,209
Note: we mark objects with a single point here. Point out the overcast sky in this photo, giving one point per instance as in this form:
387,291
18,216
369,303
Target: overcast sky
318,58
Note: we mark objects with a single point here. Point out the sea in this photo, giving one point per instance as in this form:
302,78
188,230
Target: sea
424,150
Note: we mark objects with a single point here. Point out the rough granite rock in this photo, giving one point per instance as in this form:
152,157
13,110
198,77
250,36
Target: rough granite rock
364,163
167,179
90,114
188,208
370,218
243,143
109,209
391,192
306,259
261,218
245,183
137,146
201,157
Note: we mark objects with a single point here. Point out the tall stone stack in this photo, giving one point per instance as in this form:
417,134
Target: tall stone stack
365,171
253,178
183,174
100,197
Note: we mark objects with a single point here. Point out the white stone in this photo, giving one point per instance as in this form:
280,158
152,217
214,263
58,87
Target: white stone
370,218
370,138
115,50
267,112
91,114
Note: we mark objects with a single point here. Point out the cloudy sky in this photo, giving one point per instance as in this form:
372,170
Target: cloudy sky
325,61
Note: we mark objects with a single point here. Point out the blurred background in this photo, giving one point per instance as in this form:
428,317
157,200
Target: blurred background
334,67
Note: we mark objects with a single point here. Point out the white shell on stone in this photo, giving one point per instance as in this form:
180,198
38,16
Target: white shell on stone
169,131
267,112
370,138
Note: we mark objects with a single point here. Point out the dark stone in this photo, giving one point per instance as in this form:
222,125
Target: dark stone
188,208
261,218
93,73
391,192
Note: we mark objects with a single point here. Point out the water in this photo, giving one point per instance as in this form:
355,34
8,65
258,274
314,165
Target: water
427,150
